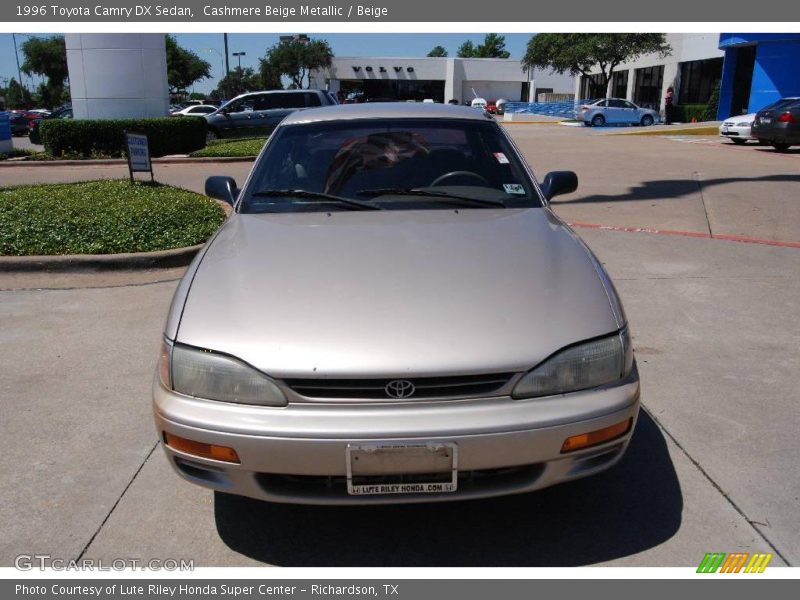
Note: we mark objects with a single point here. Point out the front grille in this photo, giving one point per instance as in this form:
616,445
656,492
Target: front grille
333,487
464,386
728,124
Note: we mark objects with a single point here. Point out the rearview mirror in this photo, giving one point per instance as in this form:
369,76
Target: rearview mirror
557,183
222,188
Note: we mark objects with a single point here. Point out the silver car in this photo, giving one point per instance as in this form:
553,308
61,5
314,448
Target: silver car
393,313
615,111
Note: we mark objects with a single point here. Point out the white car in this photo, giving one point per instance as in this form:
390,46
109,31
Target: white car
615,111
737,129
198,110
478,103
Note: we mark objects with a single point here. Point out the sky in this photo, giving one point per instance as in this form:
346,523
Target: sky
255,46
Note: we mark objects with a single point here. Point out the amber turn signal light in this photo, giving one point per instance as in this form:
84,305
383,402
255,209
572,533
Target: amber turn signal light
201,449
585,440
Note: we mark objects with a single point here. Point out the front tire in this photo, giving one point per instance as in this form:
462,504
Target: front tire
211,135
647,120
598,121
780,146
738,141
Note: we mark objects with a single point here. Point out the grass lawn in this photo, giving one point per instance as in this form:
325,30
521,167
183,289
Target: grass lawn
227,148
103,217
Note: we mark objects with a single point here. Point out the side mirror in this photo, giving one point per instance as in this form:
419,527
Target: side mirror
557,183
222,188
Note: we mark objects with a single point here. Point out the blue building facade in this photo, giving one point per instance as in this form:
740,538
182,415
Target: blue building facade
759,68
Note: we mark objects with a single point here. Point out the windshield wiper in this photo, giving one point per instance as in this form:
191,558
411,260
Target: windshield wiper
428,194
352,204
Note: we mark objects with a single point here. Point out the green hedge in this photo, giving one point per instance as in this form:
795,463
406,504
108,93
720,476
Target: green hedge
103,217
685,112
88,137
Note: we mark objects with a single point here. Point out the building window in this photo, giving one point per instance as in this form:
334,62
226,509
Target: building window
592,87
698,78
647,88
619,84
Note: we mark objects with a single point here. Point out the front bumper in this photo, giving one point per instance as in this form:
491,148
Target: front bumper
297,453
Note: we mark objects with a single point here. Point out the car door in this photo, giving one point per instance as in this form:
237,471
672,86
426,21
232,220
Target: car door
616,111
236,118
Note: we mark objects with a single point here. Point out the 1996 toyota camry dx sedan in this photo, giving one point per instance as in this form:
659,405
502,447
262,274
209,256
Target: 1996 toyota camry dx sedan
393,313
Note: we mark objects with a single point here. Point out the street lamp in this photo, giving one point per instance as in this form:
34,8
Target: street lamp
239,55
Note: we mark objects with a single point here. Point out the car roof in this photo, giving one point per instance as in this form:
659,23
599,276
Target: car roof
385,110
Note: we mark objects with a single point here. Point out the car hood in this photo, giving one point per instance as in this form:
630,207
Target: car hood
394,293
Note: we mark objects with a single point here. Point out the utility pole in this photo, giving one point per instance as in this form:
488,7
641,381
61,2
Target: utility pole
16,54
227,70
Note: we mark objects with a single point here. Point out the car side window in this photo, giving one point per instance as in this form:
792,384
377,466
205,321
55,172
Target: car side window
241,105
602,104
616,104
629,105
312,100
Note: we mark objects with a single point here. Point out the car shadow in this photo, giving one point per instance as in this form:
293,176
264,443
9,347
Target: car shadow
669,189
634,506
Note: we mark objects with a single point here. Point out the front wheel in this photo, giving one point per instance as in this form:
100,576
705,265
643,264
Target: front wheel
211,135
647,120
738,141
780,146
598,121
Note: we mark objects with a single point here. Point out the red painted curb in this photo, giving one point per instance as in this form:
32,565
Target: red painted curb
696,234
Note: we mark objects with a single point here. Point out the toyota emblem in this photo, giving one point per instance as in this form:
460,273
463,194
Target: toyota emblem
399,388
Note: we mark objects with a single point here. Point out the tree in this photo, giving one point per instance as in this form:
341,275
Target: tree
493,46
297,58
466,50
579,53
438,52
47,57
241,79
184,67
17,96
270,75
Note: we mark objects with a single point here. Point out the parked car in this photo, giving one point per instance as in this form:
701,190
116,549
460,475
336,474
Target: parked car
195,110
500,106
779,124
393,312
478,103
491,106
737,128
64,112
19,123
258,113
614,111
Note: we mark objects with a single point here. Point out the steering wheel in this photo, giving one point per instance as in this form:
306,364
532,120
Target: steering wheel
473,175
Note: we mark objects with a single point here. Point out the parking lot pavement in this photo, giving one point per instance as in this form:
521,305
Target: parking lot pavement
711,469
659,182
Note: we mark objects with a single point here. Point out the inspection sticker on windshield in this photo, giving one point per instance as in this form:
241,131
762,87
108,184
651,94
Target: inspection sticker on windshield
514,188
501,158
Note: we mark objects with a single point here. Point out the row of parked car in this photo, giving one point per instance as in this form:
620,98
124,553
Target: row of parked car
777,125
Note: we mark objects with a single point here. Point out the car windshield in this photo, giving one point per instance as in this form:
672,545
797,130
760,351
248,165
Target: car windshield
392,164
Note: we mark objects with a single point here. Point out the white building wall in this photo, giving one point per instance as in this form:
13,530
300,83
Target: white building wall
117,75
686,47
491,77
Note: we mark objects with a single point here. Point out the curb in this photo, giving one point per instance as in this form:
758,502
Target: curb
122,161
703,130
162,259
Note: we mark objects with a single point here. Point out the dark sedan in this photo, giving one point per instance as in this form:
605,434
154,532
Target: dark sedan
779,124
19,124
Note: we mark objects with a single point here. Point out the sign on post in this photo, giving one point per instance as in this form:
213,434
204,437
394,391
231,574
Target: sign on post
138,154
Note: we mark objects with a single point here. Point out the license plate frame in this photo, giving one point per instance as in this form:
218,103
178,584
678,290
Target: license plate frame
413,461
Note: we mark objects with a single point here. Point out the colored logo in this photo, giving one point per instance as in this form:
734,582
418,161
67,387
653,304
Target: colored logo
737,562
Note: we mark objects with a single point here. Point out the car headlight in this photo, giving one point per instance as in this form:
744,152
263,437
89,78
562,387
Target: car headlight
745,124
585,365
206,374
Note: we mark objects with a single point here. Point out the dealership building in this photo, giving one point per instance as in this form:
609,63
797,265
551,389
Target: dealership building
439,79
754,70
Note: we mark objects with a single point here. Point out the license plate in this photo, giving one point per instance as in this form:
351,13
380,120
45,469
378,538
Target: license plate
389,468
724,131
766,120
